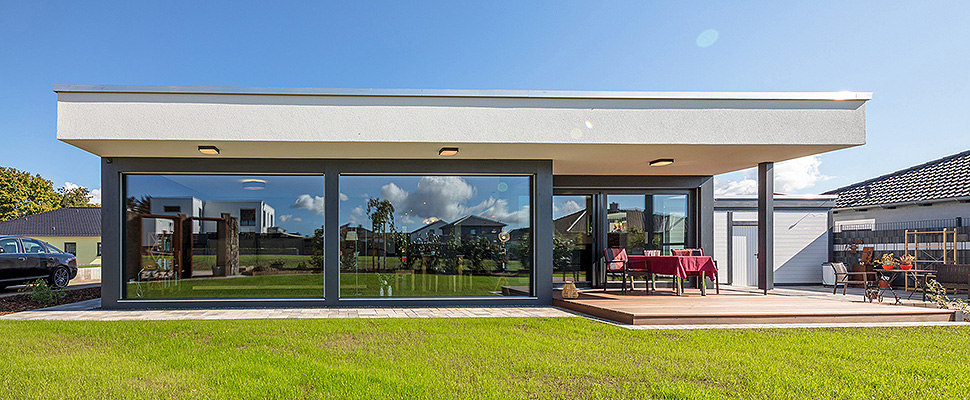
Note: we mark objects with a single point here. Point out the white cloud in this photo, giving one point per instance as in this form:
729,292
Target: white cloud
95,197
357,216
312,203
442,197
568,207
343,197
289,217
792,176
446,198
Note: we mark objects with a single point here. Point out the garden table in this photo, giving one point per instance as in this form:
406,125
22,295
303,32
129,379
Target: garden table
679,266
889,276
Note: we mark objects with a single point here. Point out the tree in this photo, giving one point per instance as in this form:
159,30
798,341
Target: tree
76,197
23,194
381,213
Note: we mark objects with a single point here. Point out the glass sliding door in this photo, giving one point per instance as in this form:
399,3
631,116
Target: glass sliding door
573,245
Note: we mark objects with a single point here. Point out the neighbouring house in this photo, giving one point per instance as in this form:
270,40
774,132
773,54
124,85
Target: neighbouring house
75,230
801,244
927,198
471,226
520,159
432,228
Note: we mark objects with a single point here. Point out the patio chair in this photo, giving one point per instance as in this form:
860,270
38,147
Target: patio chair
843,276
617,263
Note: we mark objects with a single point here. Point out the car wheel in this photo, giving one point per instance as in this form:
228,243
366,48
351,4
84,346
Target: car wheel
59,278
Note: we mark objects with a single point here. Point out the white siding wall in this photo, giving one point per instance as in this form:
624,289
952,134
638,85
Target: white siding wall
801,245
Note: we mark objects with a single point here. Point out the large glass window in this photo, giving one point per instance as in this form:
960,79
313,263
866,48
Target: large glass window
219,236
446,236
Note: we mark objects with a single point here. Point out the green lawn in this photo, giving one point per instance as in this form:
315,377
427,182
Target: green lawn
473,358
311,285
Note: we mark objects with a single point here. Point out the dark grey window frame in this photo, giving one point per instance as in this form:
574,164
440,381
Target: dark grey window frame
113,170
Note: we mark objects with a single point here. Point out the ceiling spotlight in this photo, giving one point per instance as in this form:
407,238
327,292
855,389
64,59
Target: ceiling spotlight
448,151
254,184
209,150
660,162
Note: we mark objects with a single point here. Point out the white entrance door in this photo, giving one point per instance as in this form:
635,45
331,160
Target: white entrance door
744,256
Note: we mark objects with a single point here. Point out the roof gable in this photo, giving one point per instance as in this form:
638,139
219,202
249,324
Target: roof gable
68,221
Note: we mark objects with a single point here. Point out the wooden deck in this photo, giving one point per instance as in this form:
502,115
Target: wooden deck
744,306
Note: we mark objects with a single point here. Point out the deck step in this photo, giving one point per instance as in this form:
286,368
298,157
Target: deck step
711,310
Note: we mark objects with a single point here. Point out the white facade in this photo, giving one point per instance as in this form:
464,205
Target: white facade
263,216
801,243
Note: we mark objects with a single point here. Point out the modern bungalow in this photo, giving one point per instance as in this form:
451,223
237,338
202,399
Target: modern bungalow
394,160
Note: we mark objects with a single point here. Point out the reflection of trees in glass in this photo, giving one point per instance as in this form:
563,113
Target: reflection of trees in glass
522,249
316,249
562,252
381,214
635,239
141,205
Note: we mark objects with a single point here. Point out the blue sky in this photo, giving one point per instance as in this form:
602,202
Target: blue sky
913,56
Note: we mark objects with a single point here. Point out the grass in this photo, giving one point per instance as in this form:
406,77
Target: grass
311,285
472,358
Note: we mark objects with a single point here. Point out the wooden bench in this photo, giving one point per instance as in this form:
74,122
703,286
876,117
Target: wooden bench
953,276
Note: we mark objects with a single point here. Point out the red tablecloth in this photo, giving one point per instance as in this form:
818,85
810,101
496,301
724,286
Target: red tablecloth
680,266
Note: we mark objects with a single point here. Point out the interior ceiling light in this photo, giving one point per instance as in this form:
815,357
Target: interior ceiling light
254,184
660,162
448,151
209,150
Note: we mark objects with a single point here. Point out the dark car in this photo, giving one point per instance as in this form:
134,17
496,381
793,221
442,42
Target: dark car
24,259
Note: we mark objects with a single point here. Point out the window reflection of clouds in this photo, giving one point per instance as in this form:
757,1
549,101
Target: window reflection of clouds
421,200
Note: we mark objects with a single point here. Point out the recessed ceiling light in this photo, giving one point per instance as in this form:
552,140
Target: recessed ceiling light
209,150
660,162
254,184
448,151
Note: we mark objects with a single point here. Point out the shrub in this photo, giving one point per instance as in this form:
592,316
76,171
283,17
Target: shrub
937,293
42,293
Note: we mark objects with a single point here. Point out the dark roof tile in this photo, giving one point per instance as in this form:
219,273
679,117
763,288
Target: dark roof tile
69,221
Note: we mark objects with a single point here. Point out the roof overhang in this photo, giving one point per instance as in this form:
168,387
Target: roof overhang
589,133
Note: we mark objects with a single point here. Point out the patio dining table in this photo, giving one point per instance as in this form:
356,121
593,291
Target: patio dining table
681,267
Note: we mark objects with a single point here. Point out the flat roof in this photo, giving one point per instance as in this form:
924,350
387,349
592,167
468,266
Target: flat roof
581,132
551,94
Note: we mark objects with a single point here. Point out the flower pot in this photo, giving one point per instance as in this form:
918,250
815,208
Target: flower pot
887,267
906,266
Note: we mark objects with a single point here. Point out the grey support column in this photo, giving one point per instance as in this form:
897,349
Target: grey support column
112,208
766,221
331,235
705,209
542,228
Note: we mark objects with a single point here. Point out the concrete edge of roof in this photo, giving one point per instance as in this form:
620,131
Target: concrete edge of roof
629,95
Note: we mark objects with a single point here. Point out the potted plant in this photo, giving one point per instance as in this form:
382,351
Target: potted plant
888,261
906,261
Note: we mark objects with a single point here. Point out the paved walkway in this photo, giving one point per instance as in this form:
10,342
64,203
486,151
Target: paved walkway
90,311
